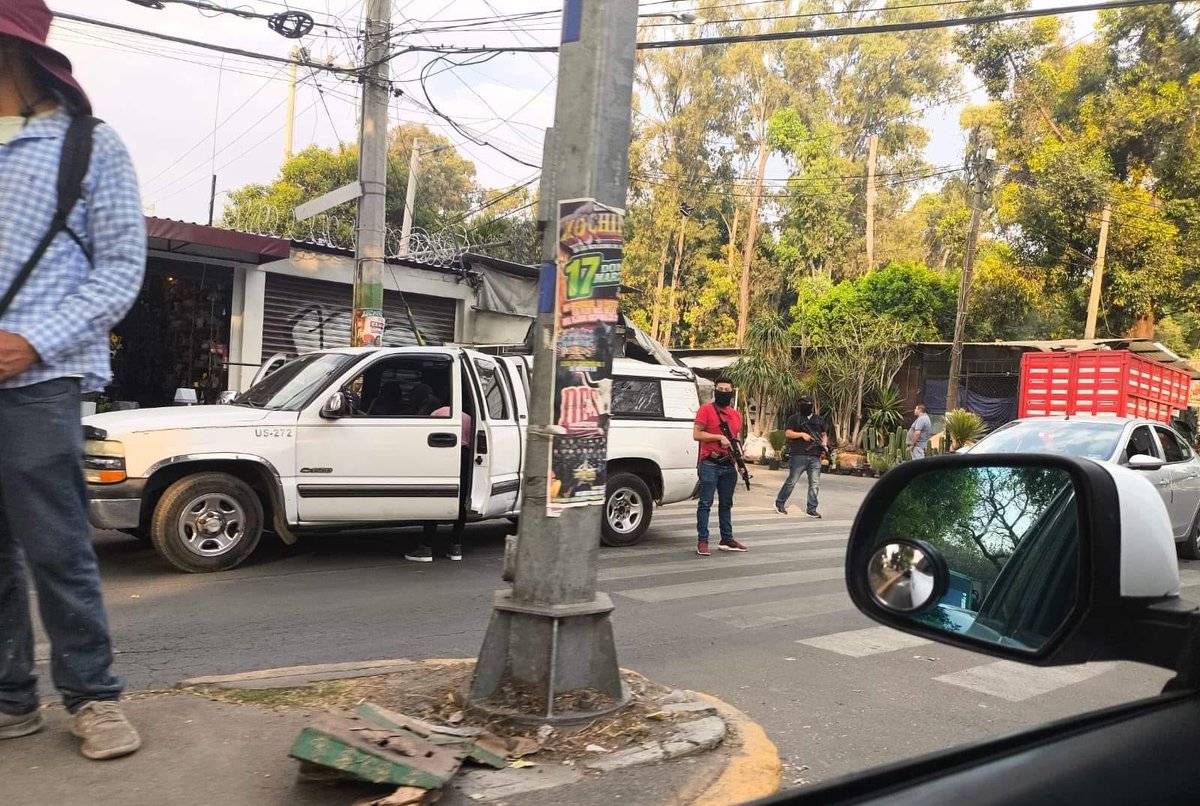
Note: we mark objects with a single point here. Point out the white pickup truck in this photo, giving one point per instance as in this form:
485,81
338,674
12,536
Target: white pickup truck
361,438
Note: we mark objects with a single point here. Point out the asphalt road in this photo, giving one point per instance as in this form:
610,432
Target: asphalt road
771,631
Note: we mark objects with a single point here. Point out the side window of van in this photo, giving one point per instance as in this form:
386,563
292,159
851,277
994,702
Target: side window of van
637,398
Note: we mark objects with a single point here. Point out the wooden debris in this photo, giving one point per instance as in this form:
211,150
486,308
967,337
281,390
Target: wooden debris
372,753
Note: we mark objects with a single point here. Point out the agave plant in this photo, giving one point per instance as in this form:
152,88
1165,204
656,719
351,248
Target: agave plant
964,428
885,409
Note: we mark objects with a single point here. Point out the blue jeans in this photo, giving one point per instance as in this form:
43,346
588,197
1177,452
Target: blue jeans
44,528
718,480
798,465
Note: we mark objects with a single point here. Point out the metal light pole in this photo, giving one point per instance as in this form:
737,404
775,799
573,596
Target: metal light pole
410,198
368,322
551,634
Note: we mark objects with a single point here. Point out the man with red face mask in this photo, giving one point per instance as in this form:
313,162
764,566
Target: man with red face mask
72,254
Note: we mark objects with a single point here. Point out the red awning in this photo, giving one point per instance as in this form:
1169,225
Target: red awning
180,237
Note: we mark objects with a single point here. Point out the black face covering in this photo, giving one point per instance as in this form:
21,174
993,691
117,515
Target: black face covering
806,409
723,399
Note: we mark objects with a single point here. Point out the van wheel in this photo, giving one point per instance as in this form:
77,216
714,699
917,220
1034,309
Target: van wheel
628,507
207,522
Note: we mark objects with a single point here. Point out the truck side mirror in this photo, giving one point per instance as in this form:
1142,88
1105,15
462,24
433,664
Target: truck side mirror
335,407
1039,558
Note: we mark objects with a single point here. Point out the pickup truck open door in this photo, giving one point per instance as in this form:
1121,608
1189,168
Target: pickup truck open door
498,444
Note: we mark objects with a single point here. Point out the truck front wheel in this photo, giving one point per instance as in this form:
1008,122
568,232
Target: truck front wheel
628,506
207,522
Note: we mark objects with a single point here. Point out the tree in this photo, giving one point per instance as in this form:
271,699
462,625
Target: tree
446,189
767,372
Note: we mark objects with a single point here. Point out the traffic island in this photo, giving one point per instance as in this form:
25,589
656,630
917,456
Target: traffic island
384,720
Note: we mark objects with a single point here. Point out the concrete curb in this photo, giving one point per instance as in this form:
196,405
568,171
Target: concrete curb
753,773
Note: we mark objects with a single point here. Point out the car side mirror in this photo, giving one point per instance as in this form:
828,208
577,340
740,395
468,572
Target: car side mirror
227,397
1144,462
1039,558
335,407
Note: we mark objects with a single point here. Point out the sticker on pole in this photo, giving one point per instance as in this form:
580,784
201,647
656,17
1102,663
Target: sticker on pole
590,244
369,329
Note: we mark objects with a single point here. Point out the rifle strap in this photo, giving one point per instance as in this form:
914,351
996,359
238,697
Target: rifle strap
72,168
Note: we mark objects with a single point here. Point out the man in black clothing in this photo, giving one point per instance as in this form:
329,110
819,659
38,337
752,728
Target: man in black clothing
808,440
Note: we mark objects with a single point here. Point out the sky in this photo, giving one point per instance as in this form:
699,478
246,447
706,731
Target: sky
187,114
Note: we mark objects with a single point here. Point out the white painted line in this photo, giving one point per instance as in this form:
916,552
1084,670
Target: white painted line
861,643
762,615
711,587
752,541
730,562
1015,682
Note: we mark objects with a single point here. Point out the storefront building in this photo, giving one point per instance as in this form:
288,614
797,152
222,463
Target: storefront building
216,303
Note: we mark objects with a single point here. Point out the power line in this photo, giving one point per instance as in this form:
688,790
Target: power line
205,45
289,24
823,33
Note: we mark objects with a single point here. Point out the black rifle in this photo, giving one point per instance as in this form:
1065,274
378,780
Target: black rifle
816,438
735,447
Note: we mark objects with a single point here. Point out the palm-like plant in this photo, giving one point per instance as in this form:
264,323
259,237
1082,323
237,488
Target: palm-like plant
885,409
767,371
964,428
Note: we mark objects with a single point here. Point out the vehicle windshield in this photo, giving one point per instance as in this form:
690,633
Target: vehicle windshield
292,386
1075,438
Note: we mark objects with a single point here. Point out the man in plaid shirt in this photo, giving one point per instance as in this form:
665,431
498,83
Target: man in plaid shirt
54,347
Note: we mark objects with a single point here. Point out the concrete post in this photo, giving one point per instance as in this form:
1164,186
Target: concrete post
368,321
552,634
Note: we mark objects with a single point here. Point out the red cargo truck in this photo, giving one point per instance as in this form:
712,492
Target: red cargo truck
1116,383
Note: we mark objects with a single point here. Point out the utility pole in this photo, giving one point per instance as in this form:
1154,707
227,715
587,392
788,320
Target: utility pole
290,132
872,144
981,167
368,320
1089,331
410,199
212,200
552,633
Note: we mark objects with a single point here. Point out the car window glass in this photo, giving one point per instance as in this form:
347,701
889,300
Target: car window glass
1141,443
293,385
1090,440
407,386
493,391
637,398
1173,450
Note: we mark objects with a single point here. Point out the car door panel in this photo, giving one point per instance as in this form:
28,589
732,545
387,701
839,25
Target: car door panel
386,466
1184,469
1143,442
496,470
1132,754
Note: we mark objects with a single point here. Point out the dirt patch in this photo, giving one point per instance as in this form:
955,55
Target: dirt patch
432,691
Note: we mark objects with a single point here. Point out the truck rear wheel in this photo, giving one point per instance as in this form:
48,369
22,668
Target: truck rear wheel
628,507
207,522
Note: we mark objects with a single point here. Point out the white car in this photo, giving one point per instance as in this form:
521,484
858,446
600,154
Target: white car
1155,449
355,438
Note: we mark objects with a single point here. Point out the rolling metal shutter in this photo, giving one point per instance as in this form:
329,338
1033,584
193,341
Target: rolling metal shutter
301,315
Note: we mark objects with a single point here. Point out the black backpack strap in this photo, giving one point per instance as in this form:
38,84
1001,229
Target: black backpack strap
72,168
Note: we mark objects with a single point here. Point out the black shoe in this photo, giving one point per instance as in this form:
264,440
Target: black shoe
421,554
781,509
816,515
454,552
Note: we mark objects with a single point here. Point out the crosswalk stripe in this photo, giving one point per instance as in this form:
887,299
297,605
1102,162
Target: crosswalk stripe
861,643
699,565
637,553
1189,578
791,609
744,524
710,587
1015,682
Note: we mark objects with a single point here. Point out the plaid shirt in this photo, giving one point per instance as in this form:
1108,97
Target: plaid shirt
68,306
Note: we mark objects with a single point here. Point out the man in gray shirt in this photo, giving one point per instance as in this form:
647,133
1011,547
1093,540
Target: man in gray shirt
919,433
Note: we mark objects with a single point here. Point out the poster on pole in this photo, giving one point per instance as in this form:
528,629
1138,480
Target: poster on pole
590,245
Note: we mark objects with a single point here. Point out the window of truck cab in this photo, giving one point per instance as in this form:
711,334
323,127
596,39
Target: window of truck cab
405,386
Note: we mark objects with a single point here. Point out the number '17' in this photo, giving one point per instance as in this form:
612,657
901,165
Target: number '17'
581,275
